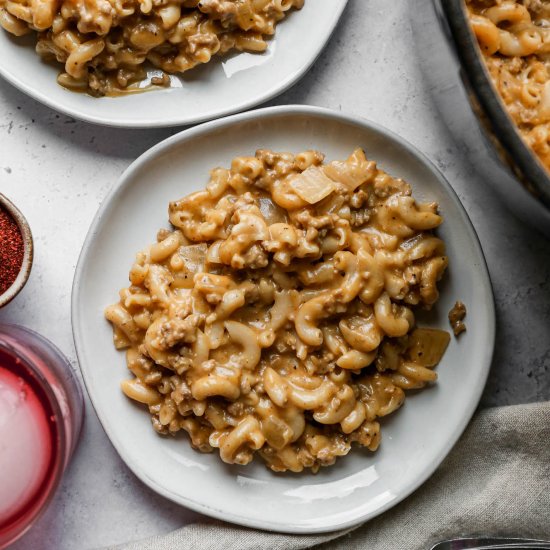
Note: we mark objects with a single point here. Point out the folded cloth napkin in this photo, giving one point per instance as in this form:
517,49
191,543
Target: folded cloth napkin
496,481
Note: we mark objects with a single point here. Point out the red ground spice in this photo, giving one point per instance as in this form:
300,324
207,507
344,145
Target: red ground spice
11,250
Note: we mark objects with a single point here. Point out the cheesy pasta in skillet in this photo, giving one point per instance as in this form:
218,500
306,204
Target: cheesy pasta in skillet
276,317
104,44
515,40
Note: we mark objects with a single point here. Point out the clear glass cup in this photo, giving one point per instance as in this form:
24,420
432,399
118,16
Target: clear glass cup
41,413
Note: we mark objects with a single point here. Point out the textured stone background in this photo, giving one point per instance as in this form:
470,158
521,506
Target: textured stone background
58,171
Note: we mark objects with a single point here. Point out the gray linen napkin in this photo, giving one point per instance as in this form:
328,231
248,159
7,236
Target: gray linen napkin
495,481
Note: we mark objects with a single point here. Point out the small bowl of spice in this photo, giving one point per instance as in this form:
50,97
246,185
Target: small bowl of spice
16,251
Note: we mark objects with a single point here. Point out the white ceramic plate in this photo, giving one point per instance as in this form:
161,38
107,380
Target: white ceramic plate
414,440
223,86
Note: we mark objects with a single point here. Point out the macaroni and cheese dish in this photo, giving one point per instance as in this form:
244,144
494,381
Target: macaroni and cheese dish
104,44
515,40
276,317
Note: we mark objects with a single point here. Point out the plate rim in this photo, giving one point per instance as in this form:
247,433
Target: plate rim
287,82
136,166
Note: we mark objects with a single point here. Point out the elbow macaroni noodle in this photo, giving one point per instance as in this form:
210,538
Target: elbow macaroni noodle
276,317
514,37
103,44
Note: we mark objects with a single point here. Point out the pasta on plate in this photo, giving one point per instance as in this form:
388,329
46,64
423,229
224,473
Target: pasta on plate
276,317
515,40
104,44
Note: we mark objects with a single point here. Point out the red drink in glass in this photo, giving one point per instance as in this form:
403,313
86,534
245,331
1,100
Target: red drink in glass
40,417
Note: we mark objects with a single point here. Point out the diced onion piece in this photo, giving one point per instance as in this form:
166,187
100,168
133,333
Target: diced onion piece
544,105
352,172
245,16
193,256
213,254
312,185
272,212
427,346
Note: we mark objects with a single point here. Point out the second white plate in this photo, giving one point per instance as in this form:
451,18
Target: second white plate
221,87
414,440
